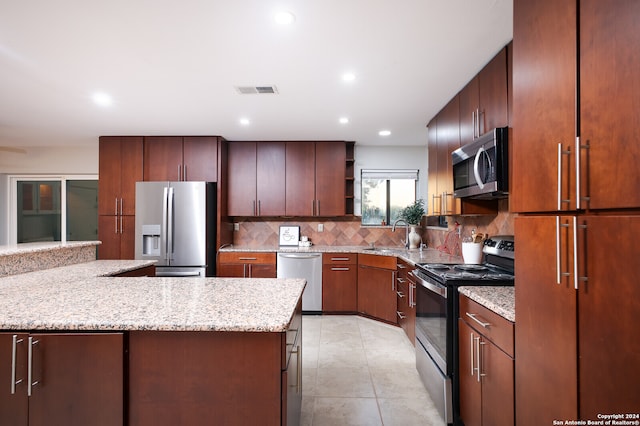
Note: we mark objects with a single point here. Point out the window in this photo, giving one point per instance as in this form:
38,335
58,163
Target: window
385,193
54,209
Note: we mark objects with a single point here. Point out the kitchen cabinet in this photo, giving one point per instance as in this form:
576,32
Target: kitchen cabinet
546,63
406,291
339,282
77,379
576,320
247,264
146,271
575,305
178,158
377,295
256,181
191,378
486,350
120,167
315,179
483,101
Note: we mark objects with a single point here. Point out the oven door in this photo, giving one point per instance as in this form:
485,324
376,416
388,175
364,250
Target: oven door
431,344
431,319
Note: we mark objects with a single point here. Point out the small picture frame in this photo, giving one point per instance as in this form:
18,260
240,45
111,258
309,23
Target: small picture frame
289,235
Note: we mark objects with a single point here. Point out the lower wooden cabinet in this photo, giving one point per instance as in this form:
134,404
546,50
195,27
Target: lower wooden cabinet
247,264
76,379
226,378
406,291
487,366
377,295
146,271
117,234
340,282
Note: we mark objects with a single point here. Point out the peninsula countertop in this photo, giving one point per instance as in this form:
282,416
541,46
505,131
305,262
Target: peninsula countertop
500,300
81,297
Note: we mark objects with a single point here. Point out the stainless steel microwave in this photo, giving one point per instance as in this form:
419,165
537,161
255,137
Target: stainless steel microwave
480,169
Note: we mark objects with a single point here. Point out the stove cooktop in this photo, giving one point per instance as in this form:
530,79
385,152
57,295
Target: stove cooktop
464,272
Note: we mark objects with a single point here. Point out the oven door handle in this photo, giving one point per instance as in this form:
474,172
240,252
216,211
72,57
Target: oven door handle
436,288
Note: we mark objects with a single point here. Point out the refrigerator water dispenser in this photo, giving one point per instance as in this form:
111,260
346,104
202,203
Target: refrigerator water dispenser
151,240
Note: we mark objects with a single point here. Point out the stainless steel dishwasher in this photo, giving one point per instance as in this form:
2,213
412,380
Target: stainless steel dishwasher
309,267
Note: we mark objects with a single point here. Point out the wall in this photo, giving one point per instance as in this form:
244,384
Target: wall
4,209
58,160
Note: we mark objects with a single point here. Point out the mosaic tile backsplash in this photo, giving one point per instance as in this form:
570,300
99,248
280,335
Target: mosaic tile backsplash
257,233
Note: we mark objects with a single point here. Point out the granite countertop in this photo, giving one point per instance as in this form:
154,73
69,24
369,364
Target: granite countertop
413,256
500,300
81,297
23,248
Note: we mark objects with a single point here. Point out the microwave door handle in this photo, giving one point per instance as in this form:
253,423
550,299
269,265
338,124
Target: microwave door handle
476,164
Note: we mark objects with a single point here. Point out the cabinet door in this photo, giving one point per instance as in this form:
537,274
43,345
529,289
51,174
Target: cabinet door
609,93
80,379
469,111
120,167
608,305
108,233
492,90
434,200
242,179
377,293
546,312
270,178
128,237
300,178
544,103
13,406
497,376
163,158
262,270
448,141
200,158
330,178
339,288
232,270
292,387
470,387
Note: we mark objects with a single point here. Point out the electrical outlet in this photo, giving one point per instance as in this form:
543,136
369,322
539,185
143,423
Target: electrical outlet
321,227
236,226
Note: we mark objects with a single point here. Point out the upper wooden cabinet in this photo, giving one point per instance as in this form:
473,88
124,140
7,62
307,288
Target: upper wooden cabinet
288,179
177,158
120,167
448,140
256,178
315,179
483,101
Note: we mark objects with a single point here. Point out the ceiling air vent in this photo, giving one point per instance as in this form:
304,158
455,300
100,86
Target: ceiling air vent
256,90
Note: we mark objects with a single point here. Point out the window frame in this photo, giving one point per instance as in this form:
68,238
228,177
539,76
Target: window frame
388,175
13,199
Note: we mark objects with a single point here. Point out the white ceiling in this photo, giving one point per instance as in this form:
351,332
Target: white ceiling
171,67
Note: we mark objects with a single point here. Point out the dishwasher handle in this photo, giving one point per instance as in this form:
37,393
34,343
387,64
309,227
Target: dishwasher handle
299,255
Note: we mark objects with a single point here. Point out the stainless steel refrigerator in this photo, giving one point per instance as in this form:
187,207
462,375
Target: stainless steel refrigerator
175,225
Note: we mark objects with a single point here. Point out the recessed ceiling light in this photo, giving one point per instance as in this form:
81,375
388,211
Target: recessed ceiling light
284,17
245,121
384,132
349,76
102,99
344,120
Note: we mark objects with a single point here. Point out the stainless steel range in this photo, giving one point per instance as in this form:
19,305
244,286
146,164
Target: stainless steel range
437,314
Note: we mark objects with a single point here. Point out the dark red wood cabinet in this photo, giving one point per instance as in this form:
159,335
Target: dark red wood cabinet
406,291
120,167
339,282
77,379
246,265
178,158
377,295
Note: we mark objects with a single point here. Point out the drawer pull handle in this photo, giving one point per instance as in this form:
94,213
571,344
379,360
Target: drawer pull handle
247,258
473,317
340,259
400,294
400,315
340,269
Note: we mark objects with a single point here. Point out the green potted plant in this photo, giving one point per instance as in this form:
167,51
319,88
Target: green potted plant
413,215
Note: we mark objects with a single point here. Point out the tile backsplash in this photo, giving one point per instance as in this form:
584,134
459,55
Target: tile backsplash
257,233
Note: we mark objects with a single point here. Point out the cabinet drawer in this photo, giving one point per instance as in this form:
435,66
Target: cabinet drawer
292,336
486,322
339,258
377,261
247,257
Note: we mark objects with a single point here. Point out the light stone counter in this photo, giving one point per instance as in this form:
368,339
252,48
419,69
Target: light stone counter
500,300
79,297
414,256
27,257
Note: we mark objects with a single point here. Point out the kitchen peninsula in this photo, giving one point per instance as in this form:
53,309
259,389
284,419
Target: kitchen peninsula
91,348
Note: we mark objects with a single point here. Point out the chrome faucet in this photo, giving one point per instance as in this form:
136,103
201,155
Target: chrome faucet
406,231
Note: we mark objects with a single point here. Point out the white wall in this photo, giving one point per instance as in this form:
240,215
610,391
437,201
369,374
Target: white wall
390,157
49,160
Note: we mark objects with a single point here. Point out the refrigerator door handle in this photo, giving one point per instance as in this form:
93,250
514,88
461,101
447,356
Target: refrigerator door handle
163,237
170,226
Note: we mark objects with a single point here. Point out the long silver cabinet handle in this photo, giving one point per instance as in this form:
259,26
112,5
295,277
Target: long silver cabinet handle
121,204
14,350
30,382
473,317
576,273
559,273
473,365
115,212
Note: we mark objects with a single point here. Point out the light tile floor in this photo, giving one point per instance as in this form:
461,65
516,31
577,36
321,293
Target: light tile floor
357,371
